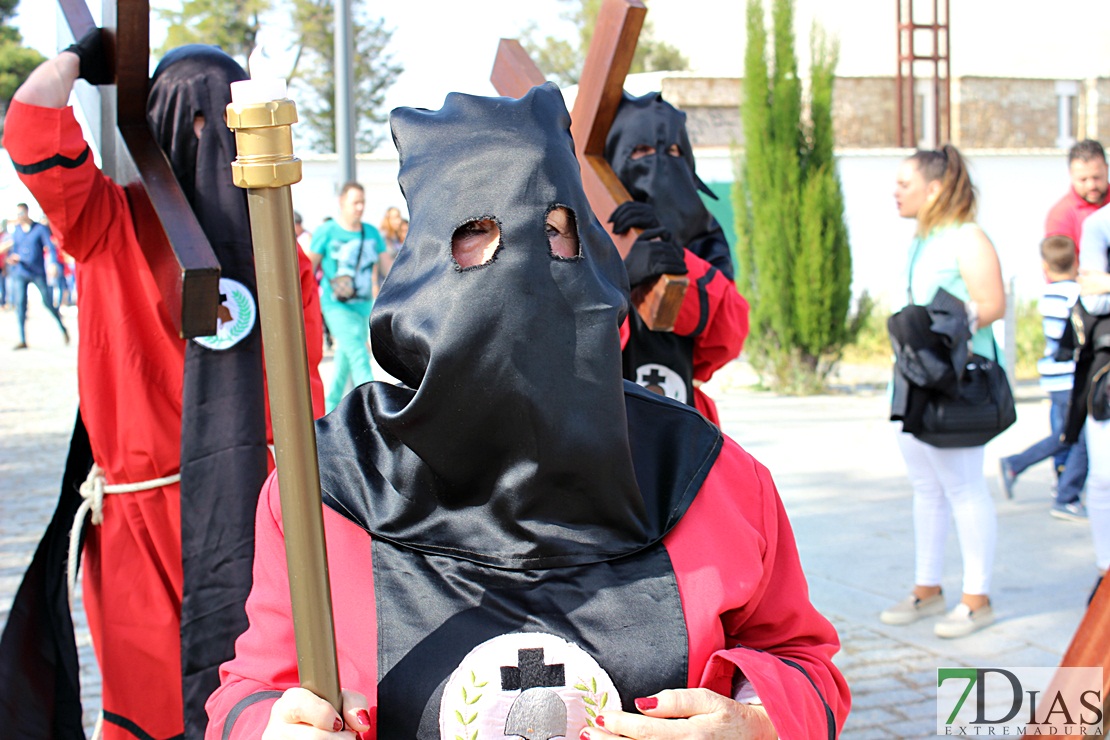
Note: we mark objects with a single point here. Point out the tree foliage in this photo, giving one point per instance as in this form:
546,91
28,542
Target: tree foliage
234,26
16,60
314,72
561,60
794,258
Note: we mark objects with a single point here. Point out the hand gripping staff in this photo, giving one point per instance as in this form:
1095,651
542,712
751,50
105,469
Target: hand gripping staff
262,117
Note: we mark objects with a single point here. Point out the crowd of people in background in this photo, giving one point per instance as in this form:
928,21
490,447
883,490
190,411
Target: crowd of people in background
30,255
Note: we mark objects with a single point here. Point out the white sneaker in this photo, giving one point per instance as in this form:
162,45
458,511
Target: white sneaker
962,621
911,609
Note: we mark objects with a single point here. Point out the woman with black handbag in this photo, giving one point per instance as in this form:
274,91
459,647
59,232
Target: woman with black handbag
949,252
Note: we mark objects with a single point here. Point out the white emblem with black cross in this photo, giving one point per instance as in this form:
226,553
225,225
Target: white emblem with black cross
235,316
662,380
529,685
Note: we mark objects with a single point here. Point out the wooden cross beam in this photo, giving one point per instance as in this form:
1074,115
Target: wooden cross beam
599,95
1089,645
180,258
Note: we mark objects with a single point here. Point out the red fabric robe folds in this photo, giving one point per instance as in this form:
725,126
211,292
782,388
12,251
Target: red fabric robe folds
130,375
738,575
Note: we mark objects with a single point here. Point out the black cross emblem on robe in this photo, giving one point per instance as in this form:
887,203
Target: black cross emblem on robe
655,378
532,673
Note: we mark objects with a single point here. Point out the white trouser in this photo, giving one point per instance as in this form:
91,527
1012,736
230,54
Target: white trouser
1098,488
949,483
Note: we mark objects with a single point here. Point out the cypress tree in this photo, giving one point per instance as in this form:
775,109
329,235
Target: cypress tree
792,243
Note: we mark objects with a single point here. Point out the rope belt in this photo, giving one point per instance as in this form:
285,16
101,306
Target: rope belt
92,492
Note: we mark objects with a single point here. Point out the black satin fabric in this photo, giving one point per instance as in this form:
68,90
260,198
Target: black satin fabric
433,610
191,80
223,433
39,672
509,445
669,183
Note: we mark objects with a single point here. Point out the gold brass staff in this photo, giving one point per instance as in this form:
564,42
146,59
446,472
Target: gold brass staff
262,118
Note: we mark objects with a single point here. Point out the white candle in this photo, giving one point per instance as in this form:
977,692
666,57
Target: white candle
246,92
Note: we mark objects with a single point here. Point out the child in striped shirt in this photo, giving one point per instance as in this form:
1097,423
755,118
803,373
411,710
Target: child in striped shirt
1056,368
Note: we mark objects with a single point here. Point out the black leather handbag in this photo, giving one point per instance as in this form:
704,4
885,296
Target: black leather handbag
980,410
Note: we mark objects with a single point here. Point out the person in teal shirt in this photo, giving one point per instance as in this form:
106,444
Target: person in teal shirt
949,251
350,253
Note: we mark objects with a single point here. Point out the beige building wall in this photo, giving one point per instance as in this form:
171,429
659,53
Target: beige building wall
987,112
999,113
864,112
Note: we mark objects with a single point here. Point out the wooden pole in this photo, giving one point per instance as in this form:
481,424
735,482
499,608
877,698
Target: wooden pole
266,167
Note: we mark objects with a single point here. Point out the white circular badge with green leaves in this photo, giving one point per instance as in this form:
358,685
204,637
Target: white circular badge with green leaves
530,685
235,316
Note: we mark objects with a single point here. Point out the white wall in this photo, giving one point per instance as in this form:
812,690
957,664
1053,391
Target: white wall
316,196
1015,190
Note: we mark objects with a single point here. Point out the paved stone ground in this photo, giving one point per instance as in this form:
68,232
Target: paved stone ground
837,467
38,404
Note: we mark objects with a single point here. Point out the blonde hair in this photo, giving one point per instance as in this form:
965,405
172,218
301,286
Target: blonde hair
955,203
386,229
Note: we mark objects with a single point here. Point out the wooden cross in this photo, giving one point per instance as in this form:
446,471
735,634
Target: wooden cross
1089,644
180,258
599,95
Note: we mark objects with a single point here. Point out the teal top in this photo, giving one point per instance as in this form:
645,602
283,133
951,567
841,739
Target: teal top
340,250
934,263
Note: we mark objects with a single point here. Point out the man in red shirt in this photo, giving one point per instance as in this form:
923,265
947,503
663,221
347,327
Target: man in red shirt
1088,193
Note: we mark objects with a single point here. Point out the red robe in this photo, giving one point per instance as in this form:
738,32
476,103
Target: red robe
715,314
130,374
738,576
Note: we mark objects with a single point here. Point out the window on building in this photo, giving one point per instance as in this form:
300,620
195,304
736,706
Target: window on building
1067,112
925,109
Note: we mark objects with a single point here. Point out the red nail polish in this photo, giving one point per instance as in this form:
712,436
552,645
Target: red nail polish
363,717
600,721
584,735
645,703
337,725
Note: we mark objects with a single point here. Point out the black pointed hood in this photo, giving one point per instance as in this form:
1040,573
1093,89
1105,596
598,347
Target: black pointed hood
669,183
511,440
223,425
196,80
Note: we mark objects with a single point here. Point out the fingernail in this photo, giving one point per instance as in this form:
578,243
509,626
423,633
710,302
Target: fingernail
600,721
363,717
584,735
645,703
337,725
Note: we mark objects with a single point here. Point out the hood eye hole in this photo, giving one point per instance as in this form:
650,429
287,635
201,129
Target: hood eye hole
561,228
475,242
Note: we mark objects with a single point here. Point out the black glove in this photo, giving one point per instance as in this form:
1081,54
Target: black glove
94,60
633,215
653,254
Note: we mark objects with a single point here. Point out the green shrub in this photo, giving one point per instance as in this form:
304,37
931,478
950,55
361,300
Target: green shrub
794,264
1028,340
872,343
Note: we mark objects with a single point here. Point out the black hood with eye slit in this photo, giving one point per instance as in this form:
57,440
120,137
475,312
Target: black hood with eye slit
223,425
667,182
509,443
196,80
